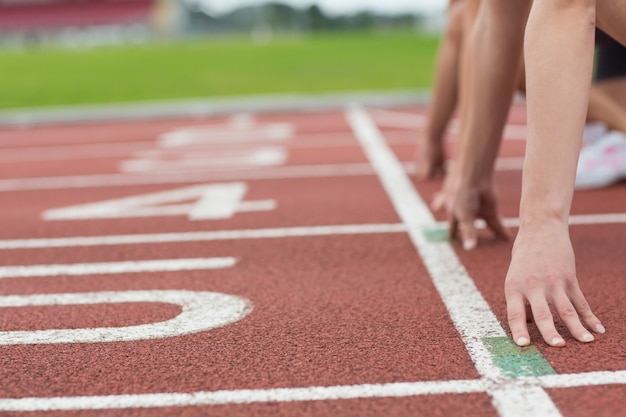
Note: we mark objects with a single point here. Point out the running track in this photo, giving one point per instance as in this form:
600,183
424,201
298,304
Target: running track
276,264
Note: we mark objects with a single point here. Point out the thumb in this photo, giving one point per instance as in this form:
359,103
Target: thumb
438,202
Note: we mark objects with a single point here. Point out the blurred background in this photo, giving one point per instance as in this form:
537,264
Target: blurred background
65,52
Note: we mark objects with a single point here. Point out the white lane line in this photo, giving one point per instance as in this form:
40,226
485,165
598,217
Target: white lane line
417,121
345,392
574,220
203,175
117,180
242,120
127,149
111,149
350,229
115,149
159,265
582,380
316,393
587,219
69,152
469,311
402,120
510,163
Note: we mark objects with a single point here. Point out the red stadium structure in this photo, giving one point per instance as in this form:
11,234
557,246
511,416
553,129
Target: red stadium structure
46,15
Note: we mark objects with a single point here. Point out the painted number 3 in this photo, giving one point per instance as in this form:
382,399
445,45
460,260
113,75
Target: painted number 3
199,311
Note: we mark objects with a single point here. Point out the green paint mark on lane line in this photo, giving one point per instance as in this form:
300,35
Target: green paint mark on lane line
504,346
524,365
439,234
515,361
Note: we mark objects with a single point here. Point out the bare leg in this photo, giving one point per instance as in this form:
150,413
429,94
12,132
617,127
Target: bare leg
431,157
603,107
607,98
611,60
616,89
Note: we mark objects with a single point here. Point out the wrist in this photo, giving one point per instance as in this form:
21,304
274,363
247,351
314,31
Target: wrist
540,213
478,182
474,168
541,227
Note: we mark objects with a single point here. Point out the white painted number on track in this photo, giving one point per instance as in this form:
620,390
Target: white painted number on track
201,311
227,134
242,144
199,158
199,202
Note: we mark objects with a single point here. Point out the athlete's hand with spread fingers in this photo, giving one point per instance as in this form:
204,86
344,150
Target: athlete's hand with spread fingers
465,204
542,274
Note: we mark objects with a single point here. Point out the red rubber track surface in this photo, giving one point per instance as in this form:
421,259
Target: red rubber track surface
330,310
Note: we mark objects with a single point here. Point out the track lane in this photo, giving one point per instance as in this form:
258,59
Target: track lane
356,199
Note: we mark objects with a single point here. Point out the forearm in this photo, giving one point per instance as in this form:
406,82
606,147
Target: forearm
557,37
495,48
542,273
446,82
616,89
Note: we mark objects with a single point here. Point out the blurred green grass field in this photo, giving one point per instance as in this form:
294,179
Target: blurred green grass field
216,68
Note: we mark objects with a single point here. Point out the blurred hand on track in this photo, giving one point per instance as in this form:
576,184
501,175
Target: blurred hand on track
542,273
464,205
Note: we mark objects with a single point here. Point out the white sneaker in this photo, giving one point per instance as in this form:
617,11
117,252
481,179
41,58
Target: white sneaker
594,131
602,162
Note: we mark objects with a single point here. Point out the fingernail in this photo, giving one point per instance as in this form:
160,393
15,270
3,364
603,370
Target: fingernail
469,244
587,337
557,341
600,328
522,341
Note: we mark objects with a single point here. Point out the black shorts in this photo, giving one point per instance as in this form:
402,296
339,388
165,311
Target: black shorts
610,57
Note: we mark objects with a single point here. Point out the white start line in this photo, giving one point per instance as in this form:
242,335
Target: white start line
314,393
280,232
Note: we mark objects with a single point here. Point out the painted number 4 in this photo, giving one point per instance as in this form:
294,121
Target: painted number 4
199,202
